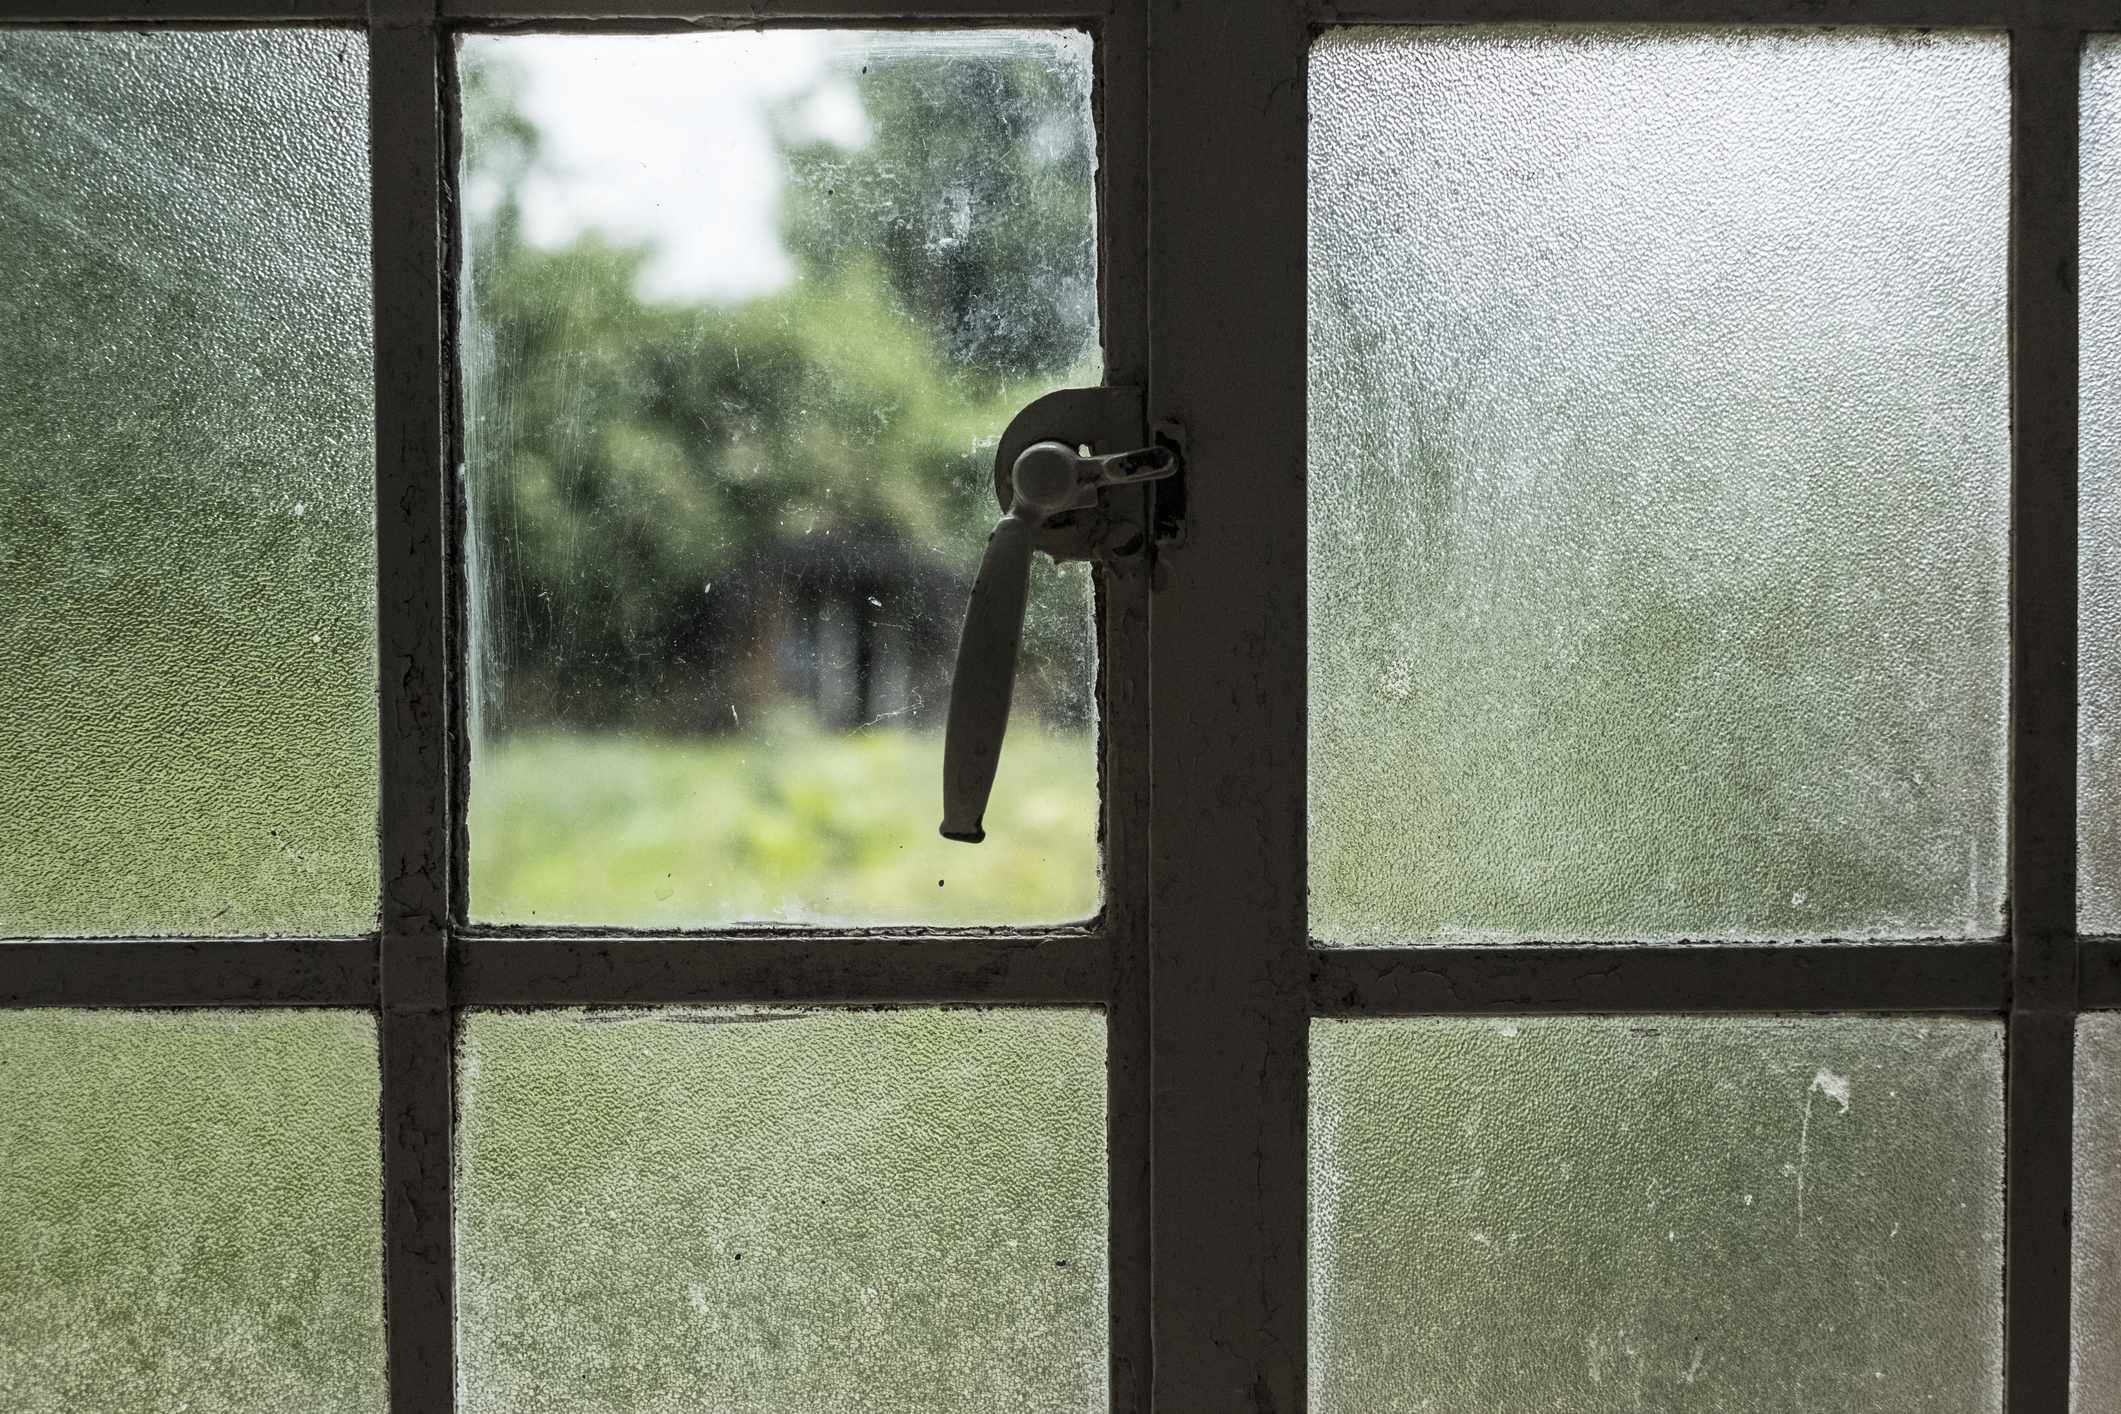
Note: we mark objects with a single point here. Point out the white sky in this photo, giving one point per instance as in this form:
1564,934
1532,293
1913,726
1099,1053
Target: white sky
664,139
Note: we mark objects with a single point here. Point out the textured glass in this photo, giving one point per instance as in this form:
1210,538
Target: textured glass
187,506
793,1211
747,314
2095,1302
1672,1213
1658,482
190,1212
2099,483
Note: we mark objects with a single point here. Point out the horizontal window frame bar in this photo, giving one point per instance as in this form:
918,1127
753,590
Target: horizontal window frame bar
565,14
593,969
960,969
2099,974
1769,14
1638,978
886,14
190,972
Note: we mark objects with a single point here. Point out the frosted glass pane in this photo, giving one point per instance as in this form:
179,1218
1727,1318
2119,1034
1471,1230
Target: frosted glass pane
1658,482
747,314
187,505
2095,1303
782,1211
1617,1214
190,1212
2099,483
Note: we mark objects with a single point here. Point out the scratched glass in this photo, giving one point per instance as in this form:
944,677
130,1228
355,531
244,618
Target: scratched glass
2095,1299
747,313
1659,458
1615,1214
2099,490
773,1210
187,484
191,1212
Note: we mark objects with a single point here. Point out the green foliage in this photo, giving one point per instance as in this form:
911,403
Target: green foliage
784,820
628,456
976,194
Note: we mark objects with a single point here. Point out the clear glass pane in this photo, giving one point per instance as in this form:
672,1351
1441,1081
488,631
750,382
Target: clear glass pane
1617,1214
2095,1304
187,503
190,1212
797,1211
2099,490
747,314
1659,472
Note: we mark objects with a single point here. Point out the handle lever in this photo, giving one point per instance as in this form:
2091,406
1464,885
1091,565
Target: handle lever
1048,477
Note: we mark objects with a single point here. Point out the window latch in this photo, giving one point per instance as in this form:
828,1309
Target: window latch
1053,474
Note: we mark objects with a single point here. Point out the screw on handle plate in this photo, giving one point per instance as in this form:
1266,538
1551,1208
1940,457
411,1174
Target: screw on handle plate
1049,477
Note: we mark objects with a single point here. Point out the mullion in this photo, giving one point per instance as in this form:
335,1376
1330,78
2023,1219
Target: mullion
406,144
2039,1097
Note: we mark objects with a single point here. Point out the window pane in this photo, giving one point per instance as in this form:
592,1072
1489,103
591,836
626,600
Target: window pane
187,503
1659,469
2099,472
747,314
2095,1304
1656,1212
782,1210
190,1212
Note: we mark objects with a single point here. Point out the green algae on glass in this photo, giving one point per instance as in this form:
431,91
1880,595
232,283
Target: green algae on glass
187,505
893,1212
190,1212
1675,1213
1659,459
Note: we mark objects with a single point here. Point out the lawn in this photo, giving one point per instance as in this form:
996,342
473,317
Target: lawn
783,822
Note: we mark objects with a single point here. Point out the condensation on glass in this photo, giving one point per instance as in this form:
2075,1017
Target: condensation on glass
190,1212
1620,1213
2099,483
777,1210
746,315
187,505
1658,484
2095,1297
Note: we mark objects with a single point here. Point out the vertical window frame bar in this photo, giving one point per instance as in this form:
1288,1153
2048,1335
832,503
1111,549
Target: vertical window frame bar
2045,78
413,657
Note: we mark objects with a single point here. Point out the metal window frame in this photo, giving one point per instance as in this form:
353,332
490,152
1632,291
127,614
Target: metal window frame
1201,957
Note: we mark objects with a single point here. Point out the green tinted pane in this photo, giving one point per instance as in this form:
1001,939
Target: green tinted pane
2095,1305
1659,469
1610,1214
2099,473
187,606
784,1211
748,313
190,1212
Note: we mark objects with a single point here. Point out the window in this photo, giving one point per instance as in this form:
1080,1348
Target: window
1199,980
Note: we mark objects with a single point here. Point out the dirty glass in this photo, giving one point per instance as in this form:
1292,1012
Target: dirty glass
187,505
190,1212
1674,1213
2099,482
1658,480
2095,1298
774,1210
746,316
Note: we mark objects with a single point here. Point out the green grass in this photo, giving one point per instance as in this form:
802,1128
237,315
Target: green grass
784,822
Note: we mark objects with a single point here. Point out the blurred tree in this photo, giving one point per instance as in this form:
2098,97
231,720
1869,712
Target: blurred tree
629,457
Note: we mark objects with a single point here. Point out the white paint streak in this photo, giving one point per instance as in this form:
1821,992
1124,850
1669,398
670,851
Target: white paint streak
1834,1087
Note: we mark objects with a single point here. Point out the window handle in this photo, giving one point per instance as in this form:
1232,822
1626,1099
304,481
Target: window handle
1048,479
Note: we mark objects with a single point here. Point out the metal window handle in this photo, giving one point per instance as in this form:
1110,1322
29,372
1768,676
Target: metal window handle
1048,478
